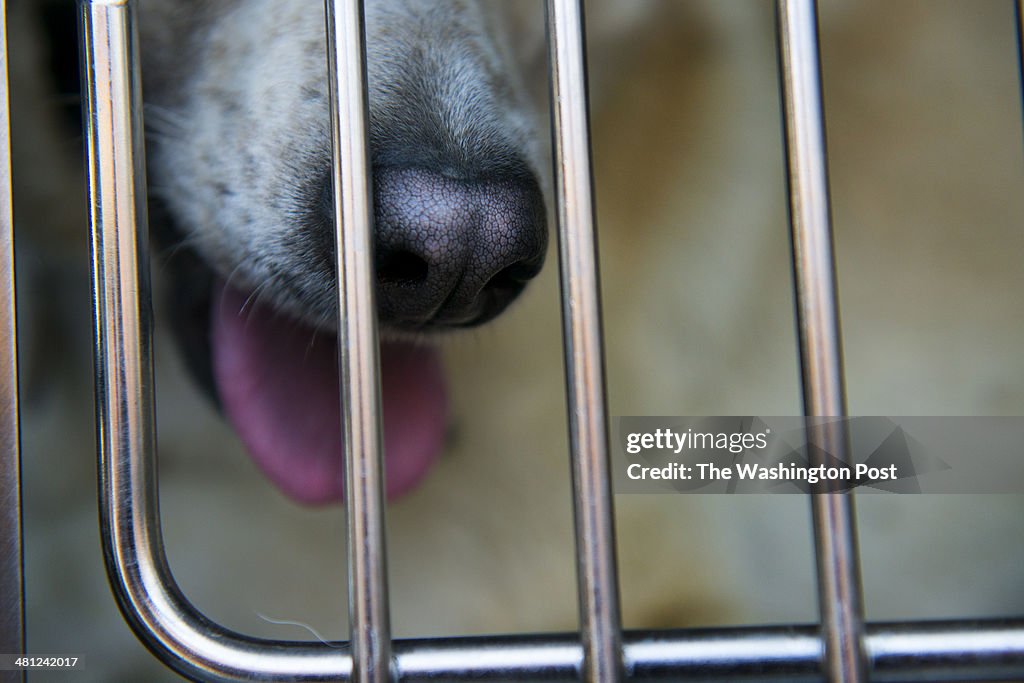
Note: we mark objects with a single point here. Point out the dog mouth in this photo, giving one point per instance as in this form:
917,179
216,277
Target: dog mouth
450,254
277,381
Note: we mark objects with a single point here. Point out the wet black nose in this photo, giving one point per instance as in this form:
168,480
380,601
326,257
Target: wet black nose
454,252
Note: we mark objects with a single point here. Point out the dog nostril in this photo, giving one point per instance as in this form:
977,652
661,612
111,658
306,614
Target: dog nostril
402,268
512,277
450,251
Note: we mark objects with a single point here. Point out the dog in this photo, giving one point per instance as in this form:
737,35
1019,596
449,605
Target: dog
243,167
691,213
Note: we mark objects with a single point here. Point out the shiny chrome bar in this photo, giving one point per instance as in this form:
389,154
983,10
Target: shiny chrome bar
129,509
932,651
152,603
598,588
12,607
358,348
821,364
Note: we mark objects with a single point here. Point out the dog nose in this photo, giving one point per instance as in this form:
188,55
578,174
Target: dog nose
454,252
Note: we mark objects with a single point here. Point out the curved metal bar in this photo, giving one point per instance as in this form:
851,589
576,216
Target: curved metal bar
129,509
598,586
821,364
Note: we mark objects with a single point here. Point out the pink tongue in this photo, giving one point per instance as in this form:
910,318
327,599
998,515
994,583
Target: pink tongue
278,383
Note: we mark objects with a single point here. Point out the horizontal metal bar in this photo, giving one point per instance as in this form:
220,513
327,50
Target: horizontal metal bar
933,651
897,653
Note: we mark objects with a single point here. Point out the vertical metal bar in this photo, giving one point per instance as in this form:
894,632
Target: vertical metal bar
584,357
357,344
12,606
818,328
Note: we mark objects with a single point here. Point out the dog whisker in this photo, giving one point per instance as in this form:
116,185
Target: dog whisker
165,118
253,300
307,627
312,342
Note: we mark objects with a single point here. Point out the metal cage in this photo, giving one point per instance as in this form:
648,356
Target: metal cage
841,648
